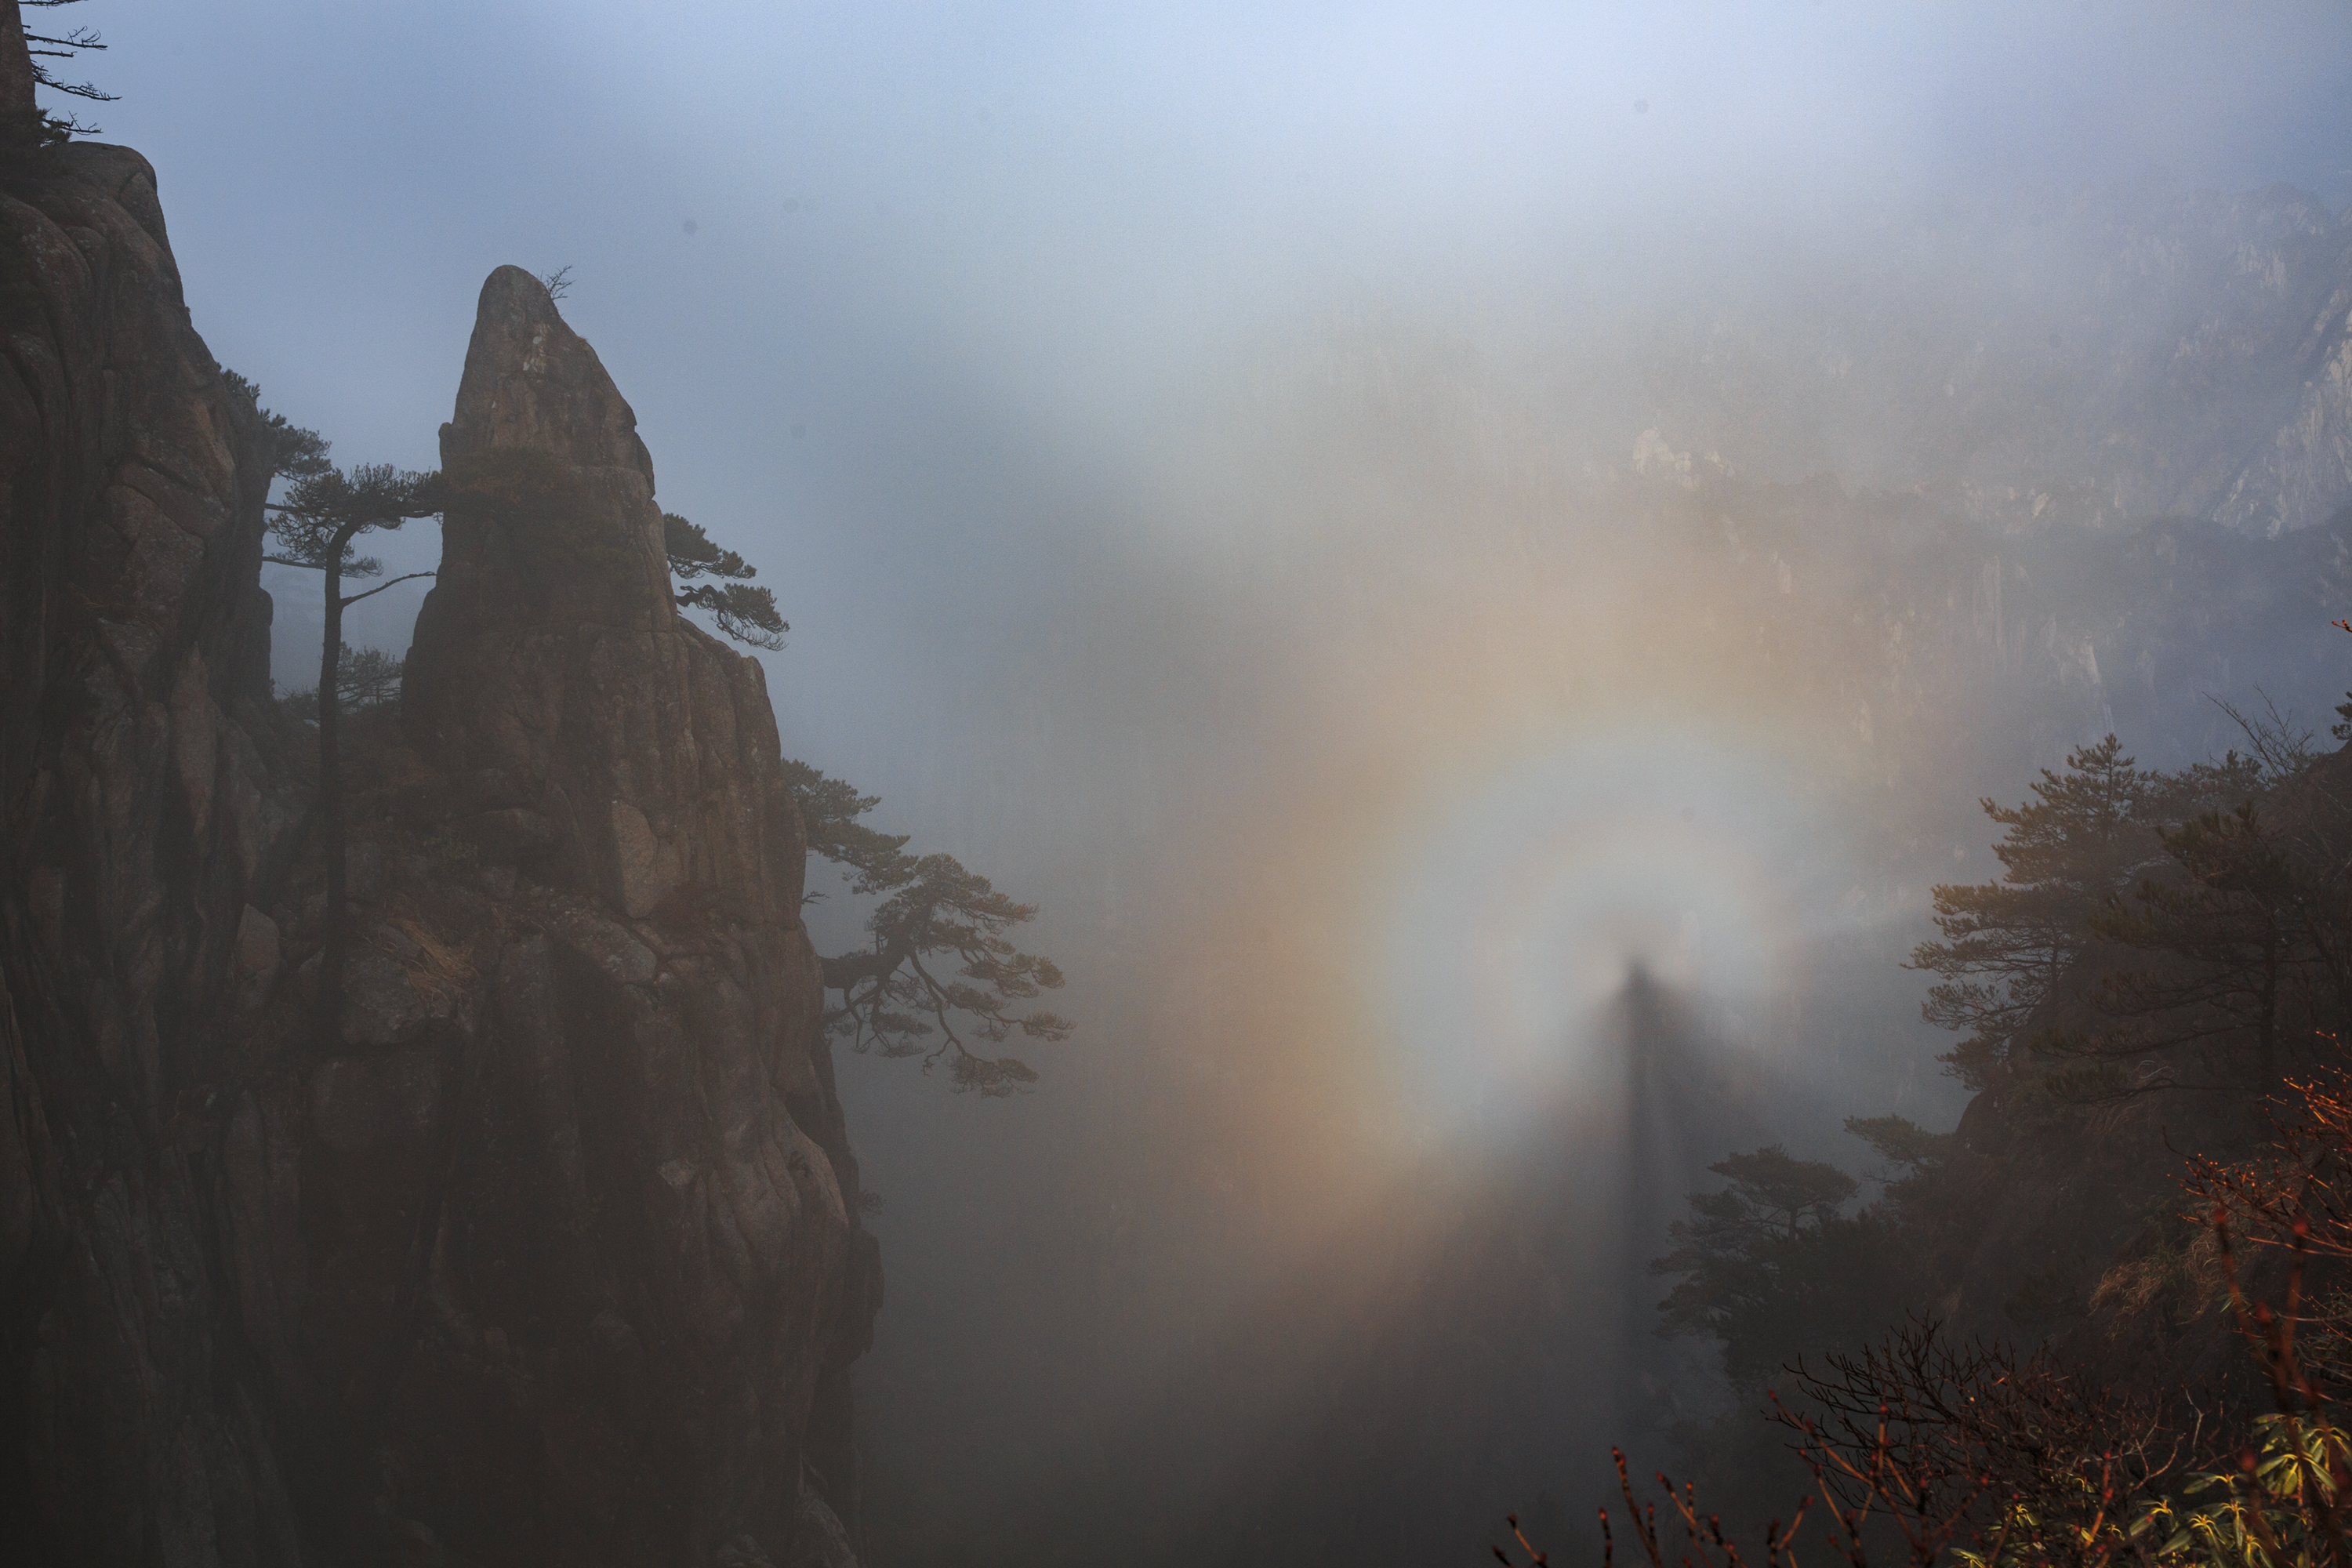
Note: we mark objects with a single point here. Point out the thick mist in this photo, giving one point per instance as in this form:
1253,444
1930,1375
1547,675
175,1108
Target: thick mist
1476,566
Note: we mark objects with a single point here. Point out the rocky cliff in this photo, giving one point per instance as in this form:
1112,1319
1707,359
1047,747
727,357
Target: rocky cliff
148,804
551,1254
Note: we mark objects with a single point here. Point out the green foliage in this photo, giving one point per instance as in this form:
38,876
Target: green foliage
2213,891
830,809
2238,887
1772,1192
692,553
2270,1513
2065,854
1775,1268
294,452
1915,1156
932,908
2245,932
323,512
2203,787
1929,1452
1781,1296
2072,1081
2277,750
1901,1141
368,678
326,509
746,614
1772,1266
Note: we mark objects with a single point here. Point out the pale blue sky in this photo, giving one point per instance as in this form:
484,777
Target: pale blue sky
1056,203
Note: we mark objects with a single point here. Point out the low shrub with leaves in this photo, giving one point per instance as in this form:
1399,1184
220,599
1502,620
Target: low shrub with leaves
1925,1452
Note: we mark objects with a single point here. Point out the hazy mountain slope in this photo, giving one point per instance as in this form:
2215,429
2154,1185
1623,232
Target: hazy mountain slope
2091,357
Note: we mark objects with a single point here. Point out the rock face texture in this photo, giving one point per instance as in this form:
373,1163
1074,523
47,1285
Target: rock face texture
551,1254
149,808
658,1191
552,679
2303,475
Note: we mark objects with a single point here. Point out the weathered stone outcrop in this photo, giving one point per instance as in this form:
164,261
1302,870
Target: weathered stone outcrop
552,675
551,1254
147,803
659,1198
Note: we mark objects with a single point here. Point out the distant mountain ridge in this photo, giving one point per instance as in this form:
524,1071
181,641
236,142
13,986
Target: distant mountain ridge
2099,358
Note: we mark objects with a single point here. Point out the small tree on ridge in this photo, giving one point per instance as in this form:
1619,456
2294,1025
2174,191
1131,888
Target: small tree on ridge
324,510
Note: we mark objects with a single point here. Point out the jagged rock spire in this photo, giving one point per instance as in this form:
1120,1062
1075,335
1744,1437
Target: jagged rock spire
552,673
532,385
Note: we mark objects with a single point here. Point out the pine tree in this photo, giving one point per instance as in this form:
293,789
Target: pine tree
748,615
294,453
324,510
2086,835
1915,1157
932,908
1773,1268
897,997
2256,935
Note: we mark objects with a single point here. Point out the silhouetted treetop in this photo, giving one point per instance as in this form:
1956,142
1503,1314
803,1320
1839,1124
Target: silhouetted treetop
1772,1266
1903,1142
2082,838
326,508
294,452
1771,1193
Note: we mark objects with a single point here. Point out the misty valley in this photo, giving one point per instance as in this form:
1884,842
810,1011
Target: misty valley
798,786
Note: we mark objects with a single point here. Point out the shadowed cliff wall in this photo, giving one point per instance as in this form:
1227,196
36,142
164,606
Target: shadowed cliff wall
550,1252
